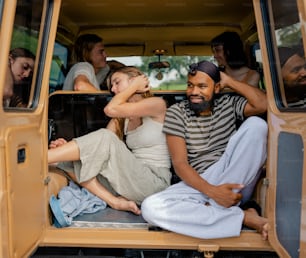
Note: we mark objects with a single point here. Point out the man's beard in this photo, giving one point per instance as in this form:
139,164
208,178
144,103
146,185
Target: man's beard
200,107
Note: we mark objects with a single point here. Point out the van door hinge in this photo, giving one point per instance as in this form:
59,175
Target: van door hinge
47,180
265,182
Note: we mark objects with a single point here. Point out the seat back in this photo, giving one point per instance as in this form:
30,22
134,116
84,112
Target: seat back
72,115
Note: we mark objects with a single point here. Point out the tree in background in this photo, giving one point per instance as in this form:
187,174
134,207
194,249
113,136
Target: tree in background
177,63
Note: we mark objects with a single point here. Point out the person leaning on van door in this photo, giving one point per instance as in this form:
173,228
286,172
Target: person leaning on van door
21,66
293,67
217,163
229,53
91,68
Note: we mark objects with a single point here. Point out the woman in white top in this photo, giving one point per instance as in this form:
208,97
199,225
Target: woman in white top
122,174
90,69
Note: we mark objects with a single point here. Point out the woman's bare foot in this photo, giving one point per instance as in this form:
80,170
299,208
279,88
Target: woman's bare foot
253,220
126,205
117,203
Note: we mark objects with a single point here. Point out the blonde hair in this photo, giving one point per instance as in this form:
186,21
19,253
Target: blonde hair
131,71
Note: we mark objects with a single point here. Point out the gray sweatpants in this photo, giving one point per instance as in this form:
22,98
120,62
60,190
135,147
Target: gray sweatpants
181,208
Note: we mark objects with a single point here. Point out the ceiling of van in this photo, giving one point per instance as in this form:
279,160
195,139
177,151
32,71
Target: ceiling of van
138,27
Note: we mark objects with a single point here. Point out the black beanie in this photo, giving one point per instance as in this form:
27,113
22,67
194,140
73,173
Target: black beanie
285,53
205,67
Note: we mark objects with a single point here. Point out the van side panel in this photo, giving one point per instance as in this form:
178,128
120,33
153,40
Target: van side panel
289,191
24,187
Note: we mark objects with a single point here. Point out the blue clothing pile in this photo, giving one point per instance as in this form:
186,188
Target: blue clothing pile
73,201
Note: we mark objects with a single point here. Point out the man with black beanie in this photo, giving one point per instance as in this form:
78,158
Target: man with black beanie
218,164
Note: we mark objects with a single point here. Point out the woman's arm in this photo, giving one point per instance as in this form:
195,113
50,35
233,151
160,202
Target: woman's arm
129,102
81,83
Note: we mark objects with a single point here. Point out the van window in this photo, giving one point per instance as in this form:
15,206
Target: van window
22,57
173,77
59,67
166,78
1,9
289,56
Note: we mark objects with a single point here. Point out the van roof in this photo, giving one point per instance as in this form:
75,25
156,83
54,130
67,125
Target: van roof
138,27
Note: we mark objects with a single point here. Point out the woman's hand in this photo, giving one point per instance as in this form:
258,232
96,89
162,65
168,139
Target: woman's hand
142,83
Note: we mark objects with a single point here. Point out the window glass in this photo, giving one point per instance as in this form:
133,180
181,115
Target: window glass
19,91
290,51
172,77
1,9
58,67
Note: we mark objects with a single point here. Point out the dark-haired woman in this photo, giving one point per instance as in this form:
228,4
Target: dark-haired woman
21,66
229,53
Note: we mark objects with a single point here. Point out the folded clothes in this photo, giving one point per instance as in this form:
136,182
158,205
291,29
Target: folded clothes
72,201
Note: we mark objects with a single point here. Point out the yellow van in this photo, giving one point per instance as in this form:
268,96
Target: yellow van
161,38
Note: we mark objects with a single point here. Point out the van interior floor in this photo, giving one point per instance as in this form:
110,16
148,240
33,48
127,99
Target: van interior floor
110,218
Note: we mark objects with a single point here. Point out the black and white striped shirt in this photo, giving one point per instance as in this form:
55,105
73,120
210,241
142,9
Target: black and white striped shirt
206,136
298,104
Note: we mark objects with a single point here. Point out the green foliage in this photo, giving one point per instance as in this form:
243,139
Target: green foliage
178,63
25,38
290,35
171,86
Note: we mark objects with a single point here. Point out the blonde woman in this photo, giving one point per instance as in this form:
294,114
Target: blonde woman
122,173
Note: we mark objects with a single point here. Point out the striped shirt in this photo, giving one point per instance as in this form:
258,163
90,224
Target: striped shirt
298,104
206,137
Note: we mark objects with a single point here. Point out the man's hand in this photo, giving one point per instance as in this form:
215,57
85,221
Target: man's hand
225,196
225,81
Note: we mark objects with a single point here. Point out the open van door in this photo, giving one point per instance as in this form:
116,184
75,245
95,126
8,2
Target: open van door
27,29
281,28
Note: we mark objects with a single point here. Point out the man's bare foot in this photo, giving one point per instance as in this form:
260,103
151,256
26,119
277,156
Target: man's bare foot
126,205
253,220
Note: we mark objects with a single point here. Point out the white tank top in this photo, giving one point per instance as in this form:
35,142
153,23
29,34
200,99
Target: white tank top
148,143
